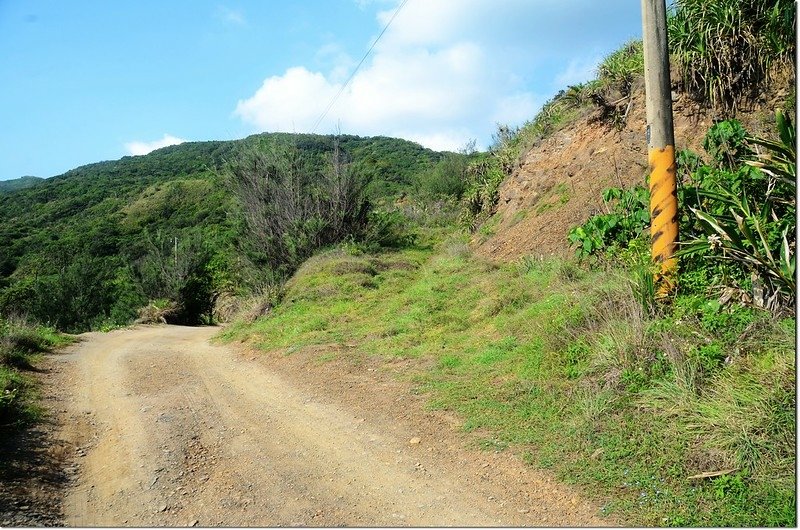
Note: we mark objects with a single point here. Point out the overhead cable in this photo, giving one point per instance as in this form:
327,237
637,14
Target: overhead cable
339,93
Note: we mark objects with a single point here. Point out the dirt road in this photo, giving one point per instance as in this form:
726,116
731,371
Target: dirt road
169,429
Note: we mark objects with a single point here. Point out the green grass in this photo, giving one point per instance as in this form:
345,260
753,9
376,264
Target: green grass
559,195
518,217
559,364
21,345
489,228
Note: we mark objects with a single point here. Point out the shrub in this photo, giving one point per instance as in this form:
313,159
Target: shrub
292,209
184,271
447,178
387,229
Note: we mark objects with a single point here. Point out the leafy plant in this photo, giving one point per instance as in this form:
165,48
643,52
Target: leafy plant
622,67
753,223
725,142
627,218
779,161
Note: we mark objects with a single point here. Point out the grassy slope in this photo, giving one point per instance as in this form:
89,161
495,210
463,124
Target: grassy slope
20,346
557,364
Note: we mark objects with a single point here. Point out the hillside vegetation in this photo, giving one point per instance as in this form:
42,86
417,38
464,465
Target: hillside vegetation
87,249
512,287
7,186
677,412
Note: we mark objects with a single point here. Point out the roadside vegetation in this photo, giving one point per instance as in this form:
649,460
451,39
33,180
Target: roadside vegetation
678,413
20,346
721,373
563,364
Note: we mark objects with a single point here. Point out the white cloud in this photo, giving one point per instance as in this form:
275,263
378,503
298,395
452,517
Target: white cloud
291,102
142,148
231,16
444,72
579,70
438,141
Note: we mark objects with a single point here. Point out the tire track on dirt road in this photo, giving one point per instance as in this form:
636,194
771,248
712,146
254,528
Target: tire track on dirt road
184,432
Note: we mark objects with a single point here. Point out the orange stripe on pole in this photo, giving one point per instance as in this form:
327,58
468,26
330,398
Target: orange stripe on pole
663,208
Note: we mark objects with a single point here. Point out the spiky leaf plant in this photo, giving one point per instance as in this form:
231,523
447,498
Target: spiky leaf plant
727,48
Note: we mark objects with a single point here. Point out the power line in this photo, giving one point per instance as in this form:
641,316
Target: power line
339,93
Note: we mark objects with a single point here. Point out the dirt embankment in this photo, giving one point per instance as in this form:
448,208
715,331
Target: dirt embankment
559,182
159,427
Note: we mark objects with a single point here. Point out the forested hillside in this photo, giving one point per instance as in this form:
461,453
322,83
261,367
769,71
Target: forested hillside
90,247
7,186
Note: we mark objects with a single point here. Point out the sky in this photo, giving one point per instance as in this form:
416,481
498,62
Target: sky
88,80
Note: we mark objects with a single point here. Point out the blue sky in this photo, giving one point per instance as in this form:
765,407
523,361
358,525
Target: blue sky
89,80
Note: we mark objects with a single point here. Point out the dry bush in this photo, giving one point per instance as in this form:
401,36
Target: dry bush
292,208
157,313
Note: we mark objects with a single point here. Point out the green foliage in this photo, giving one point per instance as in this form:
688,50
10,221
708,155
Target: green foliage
480,199
628,217
736,217
292,208
777,159
190,271
7,186
747,214
20,343
387,229
727,49
447,178
725,142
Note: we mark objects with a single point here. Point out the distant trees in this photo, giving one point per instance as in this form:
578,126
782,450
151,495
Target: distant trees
182,270
449,177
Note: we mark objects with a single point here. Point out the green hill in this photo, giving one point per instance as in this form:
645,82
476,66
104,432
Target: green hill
7,186
83,248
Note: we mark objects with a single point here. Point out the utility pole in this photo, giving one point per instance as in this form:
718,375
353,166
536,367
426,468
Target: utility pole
660,144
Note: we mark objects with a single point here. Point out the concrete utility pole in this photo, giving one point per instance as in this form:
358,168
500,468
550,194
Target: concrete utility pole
660,143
